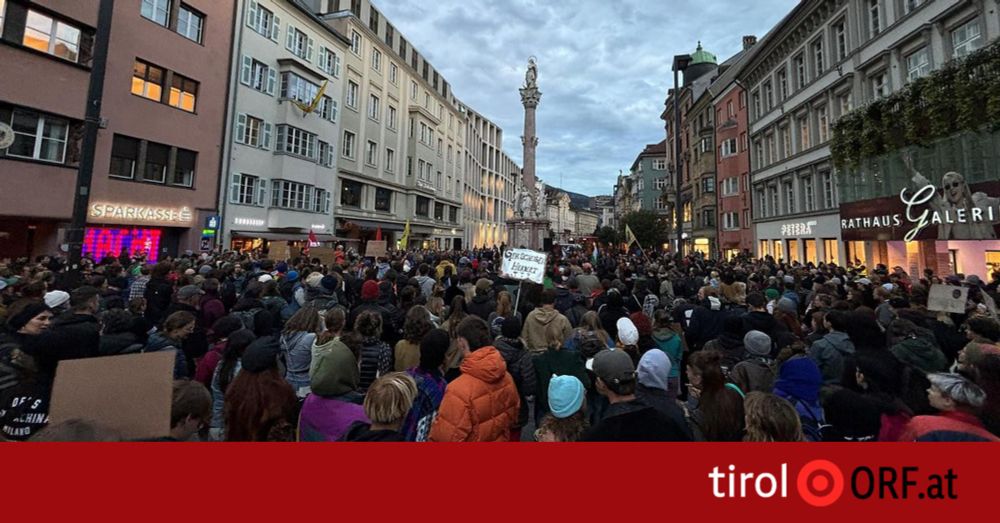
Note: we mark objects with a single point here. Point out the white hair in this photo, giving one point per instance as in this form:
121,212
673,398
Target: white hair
958,389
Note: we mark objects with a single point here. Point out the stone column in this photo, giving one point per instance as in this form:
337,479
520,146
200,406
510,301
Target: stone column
530,97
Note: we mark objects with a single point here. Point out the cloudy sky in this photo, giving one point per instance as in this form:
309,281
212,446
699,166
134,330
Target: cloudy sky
604,68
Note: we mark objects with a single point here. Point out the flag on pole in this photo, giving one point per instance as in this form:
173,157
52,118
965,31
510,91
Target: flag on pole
630,236
313,242
406,236
378,234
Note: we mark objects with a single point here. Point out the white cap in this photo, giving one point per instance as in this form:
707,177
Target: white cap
627,333
55,299
888,287
264,278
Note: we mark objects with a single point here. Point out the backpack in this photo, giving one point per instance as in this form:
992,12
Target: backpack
812,428
246,317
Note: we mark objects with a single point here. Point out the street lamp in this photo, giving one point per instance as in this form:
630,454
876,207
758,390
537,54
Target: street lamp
681,62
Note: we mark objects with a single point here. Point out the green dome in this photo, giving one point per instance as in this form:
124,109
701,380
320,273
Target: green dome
702,56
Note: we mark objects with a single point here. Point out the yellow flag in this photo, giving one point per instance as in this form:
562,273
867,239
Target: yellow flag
630,236
406,236
306,109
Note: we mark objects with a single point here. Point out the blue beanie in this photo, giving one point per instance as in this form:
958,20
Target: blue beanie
292,275
565,396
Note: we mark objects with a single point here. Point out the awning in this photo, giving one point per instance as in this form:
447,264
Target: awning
364,224
290,237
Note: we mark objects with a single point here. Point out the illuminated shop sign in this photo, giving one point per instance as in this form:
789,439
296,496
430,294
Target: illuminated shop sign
252,222
110,241
798,229
140,214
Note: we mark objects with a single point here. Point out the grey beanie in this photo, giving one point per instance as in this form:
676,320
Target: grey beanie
787,306
757,343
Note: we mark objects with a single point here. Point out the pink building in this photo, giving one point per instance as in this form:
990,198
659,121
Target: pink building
733,156
156,173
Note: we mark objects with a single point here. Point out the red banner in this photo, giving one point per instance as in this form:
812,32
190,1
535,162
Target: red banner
530,481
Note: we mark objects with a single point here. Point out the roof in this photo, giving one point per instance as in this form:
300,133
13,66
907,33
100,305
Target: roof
655,149
701,56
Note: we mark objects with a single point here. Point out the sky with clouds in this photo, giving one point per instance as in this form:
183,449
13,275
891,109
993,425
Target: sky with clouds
603,68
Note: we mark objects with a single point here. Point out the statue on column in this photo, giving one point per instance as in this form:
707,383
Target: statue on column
541,211
531,76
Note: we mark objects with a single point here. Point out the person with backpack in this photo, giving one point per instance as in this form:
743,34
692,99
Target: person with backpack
296,342
799,380
714,409
672,345
834,350
520,366
177,327
753,372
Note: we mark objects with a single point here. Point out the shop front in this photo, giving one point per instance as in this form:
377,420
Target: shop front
951,229
812,239
139,230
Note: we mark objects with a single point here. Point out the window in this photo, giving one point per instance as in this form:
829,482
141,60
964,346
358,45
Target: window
252,131
917,64
782,84
245,189
874,17
964,40
393,73
827,190
799,62
383,199
756,105
390,160
263,21
321,201
768,96
348,148
910,5
184,164
761,203
786,142
294,87
3,9
329,62
293,195
299,43
392,118
183,93
830,254
804,134
352,95
729,109
371,154
730,221
809,194
327,109
190,23
356,43
775,197
708,184
824,125
728,148
790,197
374,107
878,85
258,76
325,154
390,35
439,212
423,206
440,149
660,183
708,218
840,38
51,36
730,187
156,10
124,157
453,213
413,90
147,81
157,157
818,57
350,193
376,60
659,164
295,141
846,103
759,154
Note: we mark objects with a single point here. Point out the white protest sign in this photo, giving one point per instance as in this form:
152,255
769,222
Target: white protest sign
523,264
947,298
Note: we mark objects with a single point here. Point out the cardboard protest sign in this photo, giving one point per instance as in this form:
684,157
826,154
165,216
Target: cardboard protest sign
279,251
524,264
326,255
375,249
131,394
946,298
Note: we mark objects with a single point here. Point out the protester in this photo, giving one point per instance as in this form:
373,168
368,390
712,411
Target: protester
259,404
714,409
957,399
388,401
542,320
771,418
566,421
430,383
177,327
407,351
191,410
296,342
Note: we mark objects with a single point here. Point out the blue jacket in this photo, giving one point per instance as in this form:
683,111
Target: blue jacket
159,342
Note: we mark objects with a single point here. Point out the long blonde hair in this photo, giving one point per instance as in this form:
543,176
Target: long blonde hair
770,418
505,305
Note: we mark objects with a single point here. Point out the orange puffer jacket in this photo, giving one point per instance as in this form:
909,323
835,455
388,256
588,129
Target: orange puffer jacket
481,404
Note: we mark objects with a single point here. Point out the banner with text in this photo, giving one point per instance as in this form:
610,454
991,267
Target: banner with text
523,264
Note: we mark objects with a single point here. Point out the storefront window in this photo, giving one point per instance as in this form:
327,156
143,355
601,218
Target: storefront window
810,251
383,199
350,193
439,211
992,263
765,248
793,250
779,250
856,253
830,252
423,206
701,245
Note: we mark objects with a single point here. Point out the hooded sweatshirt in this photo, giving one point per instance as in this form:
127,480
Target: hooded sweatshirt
799,381
534,328
480,405
831,353
333,406
920,353
670,343
652,389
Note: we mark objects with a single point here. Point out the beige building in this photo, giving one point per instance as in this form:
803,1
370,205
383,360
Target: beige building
491,177
568,223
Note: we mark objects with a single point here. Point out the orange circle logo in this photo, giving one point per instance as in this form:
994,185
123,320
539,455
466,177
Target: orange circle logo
820,483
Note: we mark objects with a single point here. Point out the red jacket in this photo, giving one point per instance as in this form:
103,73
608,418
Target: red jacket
480,405
206,366
948,426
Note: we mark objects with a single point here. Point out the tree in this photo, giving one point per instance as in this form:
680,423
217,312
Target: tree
651,230
608,235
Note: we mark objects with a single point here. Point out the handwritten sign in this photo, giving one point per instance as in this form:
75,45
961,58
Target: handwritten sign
947,298
523,264
375,249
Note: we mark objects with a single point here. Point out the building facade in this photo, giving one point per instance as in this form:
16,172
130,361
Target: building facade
733,157
698,193
909,43
490,180
282,154
622,199
568,223
649,179
156,165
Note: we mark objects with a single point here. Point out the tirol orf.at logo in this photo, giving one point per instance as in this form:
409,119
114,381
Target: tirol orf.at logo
819,483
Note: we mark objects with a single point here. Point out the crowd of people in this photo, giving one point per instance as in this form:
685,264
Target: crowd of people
440,346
